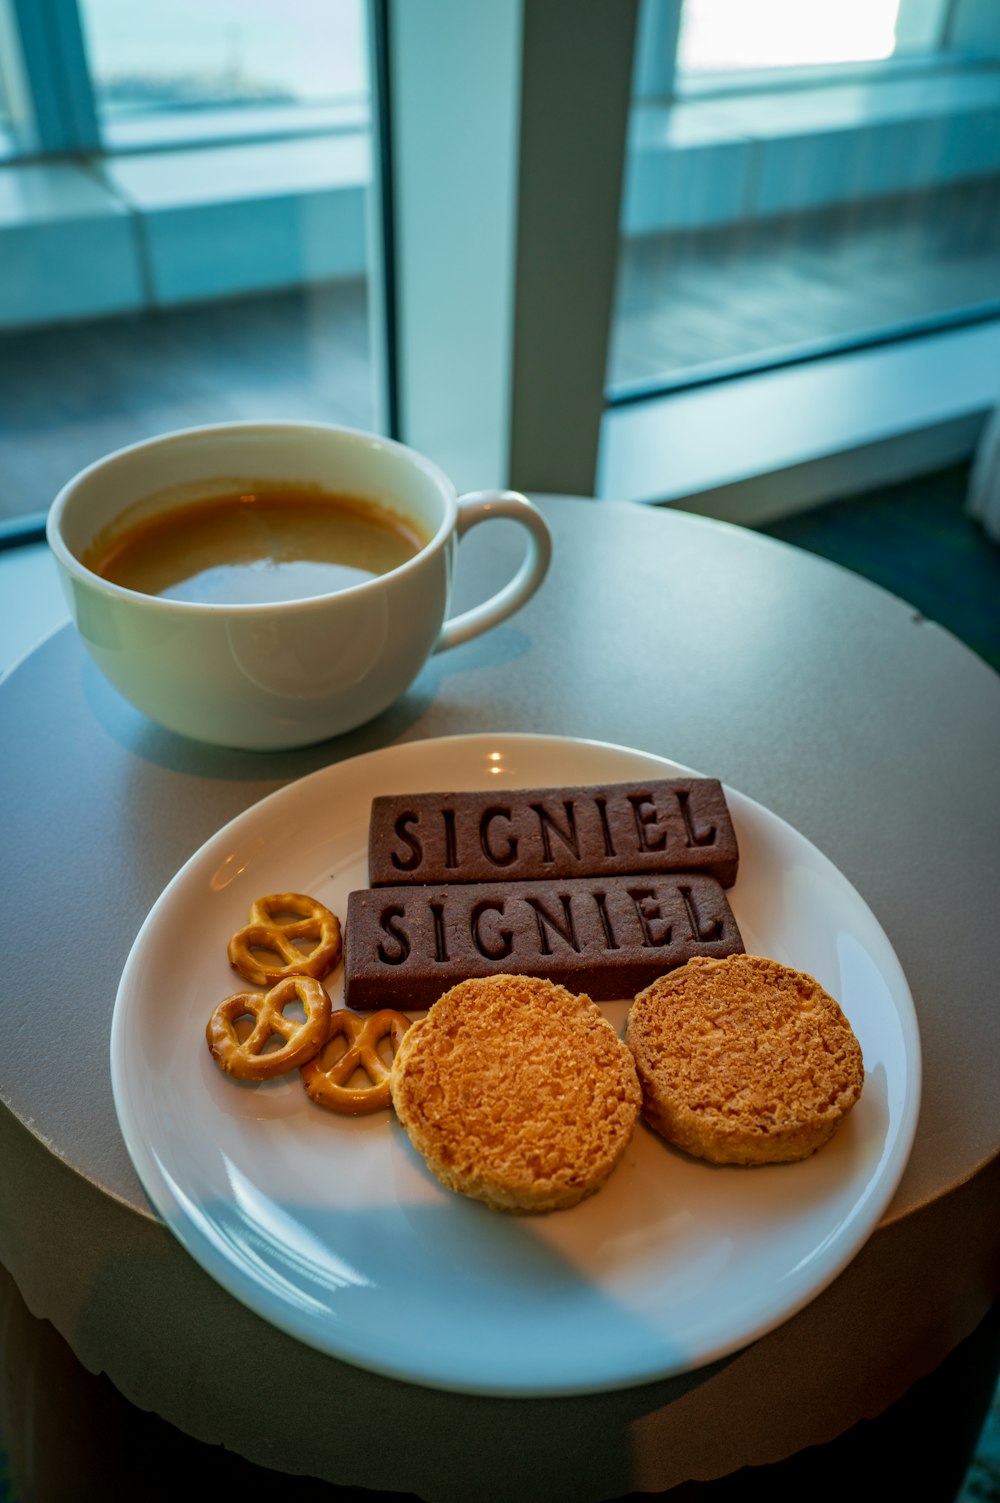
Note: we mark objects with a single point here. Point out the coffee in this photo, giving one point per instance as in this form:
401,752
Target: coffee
256,546
282,672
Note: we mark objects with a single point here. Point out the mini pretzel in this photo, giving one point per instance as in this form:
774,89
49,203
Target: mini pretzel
328,1086
244,1060
265,932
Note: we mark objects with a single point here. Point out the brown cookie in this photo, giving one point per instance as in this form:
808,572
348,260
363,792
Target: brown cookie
743,1060
516,1092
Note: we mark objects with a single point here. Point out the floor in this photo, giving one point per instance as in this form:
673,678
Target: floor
916,541
982,1481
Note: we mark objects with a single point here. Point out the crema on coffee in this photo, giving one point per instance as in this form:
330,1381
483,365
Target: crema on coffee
254,546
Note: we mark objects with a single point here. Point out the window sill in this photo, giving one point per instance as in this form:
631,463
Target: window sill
716,161
233,126
800,436
118,234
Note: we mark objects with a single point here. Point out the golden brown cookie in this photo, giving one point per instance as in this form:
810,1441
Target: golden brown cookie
516,1092
743,1060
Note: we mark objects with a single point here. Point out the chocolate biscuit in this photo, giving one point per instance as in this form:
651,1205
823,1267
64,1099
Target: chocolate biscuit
531,834
608,937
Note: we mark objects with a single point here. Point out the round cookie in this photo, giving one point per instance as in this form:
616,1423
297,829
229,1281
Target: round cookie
743,1060
516,1093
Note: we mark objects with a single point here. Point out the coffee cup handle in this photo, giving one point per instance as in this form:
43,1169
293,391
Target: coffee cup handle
484,506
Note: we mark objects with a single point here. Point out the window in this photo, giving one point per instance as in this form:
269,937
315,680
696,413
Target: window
199,190
174,70
805,179
183,224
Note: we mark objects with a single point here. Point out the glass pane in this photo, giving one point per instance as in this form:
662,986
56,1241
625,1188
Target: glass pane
154,290
782,221
263,62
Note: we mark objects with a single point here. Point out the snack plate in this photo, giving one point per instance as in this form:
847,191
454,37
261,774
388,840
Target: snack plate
333,1229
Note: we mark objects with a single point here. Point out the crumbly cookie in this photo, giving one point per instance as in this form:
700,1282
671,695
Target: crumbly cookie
743,1060
516,1092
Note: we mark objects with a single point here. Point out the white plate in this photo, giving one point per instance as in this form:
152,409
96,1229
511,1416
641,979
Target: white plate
333,1229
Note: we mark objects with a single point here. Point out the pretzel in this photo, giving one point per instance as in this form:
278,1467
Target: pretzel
327,1085
266,932
243,1059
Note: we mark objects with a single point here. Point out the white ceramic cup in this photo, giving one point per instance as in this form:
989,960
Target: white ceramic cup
295,672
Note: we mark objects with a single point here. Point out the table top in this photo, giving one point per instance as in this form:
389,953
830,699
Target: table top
869,729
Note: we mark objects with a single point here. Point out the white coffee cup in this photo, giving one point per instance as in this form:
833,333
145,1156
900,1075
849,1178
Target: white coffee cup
294,672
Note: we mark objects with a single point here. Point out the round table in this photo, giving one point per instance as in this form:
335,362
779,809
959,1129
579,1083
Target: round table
871,730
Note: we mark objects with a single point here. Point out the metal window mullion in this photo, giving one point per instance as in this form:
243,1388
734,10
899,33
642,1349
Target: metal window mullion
450,144
974,28
948,24
383,327
575,98
659,25
55,61
508,121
